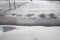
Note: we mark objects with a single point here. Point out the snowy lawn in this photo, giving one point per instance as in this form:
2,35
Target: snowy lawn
32,33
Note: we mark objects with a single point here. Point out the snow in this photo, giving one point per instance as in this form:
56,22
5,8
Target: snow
33,33
1,31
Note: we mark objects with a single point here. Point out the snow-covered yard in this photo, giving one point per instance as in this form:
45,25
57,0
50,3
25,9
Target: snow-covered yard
32,33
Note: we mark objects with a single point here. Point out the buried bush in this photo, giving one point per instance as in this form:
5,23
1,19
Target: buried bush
30,15
42,16
52,16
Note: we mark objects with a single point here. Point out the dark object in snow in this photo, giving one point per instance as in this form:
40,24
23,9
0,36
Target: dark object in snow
13,14
31,0
52,16
42,15
30,15
5,29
